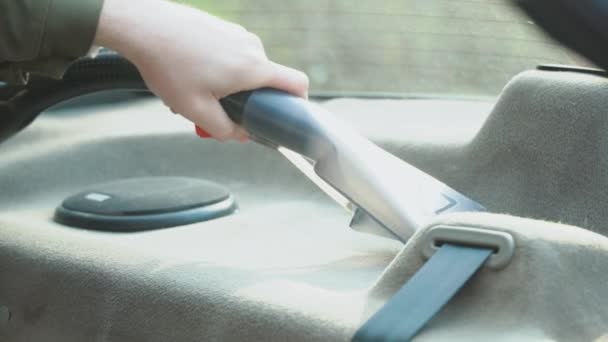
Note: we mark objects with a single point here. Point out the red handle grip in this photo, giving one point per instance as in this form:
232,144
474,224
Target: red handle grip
202,133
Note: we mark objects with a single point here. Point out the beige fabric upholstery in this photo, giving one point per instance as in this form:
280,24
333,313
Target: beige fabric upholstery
286,267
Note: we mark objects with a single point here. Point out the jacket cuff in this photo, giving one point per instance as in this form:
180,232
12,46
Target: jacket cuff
70,28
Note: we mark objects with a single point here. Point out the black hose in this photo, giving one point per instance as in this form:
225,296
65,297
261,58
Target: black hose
20,105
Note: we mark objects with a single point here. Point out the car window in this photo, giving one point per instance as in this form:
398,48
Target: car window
408,47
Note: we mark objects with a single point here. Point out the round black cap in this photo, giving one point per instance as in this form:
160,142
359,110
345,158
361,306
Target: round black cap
146,203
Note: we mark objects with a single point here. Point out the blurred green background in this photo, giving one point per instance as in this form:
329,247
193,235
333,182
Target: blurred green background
409,47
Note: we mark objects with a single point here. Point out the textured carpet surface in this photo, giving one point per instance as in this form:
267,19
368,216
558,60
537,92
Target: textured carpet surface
286,267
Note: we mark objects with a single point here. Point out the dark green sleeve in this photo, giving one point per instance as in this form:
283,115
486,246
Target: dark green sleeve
44,36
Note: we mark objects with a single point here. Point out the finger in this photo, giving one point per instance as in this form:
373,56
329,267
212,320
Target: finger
242,135
209,115
288,79
243,138
242,132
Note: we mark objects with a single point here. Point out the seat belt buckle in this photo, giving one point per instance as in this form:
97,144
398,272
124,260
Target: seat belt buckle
501,243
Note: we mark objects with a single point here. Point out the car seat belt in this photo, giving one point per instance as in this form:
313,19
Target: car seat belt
417,302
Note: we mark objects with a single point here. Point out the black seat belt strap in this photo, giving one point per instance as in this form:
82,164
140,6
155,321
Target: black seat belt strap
423,296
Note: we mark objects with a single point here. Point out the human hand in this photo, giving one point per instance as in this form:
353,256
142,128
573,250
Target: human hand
191,59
